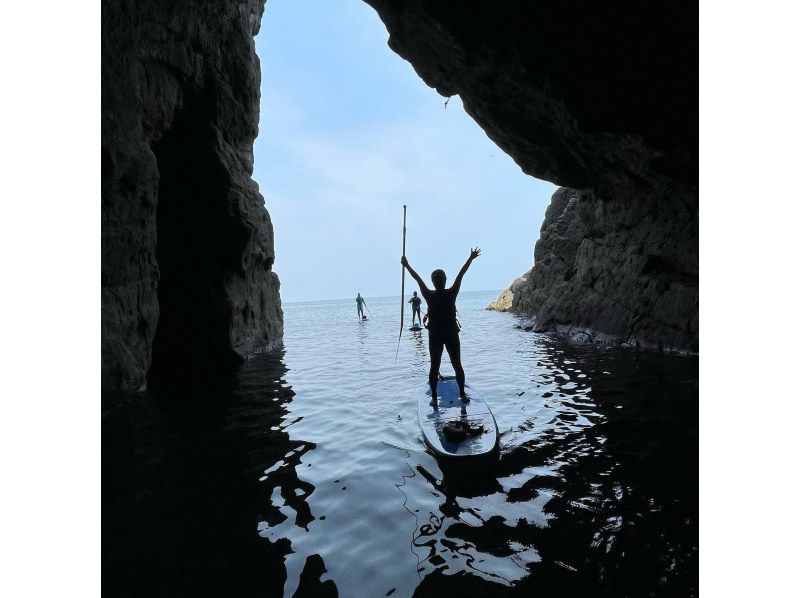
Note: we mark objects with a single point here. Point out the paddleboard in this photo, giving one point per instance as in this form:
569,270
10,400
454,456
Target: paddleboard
415,328
450,407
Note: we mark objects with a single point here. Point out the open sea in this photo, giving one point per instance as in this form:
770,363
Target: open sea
306,474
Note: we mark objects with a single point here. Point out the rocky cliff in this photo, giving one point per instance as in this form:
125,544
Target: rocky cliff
599,97
610,272
187,244
506,299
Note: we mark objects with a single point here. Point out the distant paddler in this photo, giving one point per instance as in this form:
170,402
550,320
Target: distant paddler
415,302
360,304
443,327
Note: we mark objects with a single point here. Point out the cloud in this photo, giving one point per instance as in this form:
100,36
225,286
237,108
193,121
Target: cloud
334,190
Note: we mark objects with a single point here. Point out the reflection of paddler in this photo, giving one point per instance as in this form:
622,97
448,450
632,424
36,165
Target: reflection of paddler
360,303
416,314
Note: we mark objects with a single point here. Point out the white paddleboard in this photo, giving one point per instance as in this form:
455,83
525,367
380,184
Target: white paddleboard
450,407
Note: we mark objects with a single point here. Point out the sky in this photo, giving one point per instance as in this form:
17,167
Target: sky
348,134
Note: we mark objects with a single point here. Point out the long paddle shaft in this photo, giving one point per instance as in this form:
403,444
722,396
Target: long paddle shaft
369,312
402,287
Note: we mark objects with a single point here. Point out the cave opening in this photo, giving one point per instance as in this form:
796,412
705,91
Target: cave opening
349,132
196,247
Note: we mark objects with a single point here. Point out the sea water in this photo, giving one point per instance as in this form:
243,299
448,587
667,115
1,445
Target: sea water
309,468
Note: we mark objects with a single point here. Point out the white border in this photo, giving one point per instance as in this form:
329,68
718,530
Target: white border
50,299
750,231
49,247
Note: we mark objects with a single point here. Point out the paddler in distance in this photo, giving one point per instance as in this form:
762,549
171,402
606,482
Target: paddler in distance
415,302
360,303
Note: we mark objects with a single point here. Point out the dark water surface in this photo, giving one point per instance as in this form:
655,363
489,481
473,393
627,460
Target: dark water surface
307,473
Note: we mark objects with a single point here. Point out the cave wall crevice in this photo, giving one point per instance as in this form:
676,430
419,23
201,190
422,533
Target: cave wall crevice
187,242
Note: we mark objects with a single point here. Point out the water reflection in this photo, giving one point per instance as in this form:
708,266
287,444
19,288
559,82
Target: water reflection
180,493
421,359
595,489
315,480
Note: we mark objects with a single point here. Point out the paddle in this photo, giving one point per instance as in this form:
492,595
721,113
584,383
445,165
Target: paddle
402,287
369,312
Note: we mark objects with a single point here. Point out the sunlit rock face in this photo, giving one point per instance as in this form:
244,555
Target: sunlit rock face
601,98
187,244
506,299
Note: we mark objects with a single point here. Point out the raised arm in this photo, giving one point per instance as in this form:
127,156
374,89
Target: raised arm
413,273
473,253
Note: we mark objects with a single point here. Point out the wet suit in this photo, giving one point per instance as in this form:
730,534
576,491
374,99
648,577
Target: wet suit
442,326
415,311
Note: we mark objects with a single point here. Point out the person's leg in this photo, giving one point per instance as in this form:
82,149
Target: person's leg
435,346
453,345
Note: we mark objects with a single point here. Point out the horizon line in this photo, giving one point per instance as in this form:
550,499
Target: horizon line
380,297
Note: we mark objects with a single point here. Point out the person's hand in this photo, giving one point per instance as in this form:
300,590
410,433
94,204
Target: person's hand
404,261
473,253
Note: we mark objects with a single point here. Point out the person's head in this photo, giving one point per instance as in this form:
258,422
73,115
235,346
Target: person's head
358,294
439,279
415,293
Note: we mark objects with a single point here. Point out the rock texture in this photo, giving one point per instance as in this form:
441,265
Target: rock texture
506,299
605,272
599,97
187,244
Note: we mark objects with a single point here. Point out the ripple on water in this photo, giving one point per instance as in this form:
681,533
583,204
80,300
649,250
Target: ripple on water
594,489
402,517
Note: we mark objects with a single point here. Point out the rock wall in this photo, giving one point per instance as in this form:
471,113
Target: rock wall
187,244
609,272
599,97
506,299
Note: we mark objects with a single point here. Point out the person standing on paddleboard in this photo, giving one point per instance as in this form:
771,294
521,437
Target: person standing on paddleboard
360,303
415,302
442,325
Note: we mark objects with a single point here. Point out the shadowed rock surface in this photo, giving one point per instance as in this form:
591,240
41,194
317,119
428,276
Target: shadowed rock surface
187,244
612,272
601,98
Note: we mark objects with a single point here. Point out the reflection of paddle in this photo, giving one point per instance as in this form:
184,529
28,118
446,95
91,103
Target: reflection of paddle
402,286
402,448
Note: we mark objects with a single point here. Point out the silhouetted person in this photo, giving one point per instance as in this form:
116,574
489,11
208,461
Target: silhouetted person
360,303
442,325
415,302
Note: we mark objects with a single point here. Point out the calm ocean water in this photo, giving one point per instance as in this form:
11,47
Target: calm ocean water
307,473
